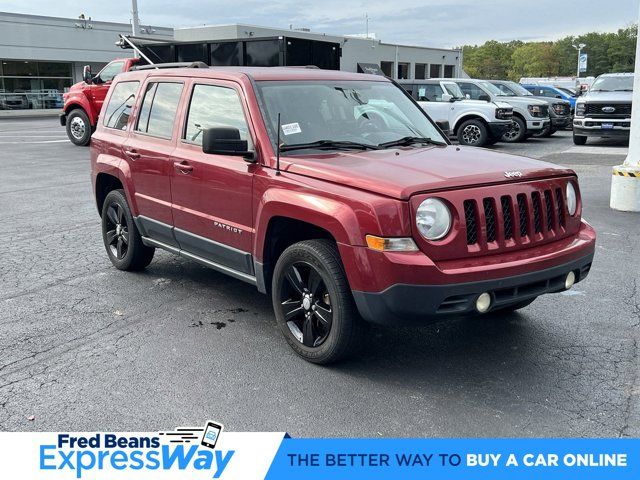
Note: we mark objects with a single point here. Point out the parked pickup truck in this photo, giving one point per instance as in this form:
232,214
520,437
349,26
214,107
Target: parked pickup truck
552,91
474,122
529,116
335,193
605,110
83,101
559,110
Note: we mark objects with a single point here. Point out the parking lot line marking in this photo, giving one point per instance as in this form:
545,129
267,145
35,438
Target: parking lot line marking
599,150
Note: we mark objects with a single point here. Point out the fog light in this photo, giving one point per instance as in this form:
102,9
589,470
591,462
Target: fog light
483,302
570,280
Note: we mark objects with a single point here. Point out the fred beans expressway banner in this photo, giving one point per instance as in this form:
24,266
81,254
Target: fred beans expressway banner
208,452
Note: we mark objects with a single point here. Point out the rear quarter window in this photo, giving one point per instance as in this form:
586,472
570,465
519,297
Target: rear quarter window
118,110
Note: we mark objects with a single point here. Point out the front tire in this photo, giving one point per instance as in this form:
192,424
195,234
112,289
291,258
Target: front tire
579,139
517,132
313,303
121,237
78,127
473,133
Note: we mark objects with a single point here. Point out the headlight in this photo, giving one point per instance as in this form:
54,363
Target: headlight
504,113
580,109
433,219
572,201
535,110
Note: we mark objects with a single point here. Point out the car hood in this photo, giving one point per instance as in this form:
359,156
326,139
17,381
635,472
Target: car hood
402,172
548,100
607,96
522,102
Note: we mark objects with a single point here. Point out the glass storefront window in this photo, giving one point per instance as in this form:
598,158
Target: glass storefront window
26,84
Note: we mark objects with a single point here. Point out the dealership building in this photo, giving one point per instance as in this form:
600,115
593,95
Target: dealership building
41,57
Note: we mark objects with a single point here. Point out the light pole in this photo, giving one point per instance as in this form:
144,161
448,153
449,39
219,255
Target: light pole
625,182
579,48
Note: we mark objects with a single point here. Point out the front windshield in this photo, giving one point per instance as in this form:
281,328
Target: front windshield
518,89
363,112
453,89
492,89
622,83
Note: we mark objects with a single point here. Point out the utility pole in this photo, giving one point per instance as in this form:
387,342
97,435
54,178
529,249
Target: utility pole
579,48
135,24
625,182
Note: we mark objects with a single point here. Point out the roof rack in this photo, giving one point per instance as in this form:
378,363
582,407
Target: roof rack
172,65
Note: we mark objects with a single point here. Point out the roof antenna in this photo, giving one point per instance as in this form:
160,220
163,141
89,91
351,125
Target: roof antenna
278,148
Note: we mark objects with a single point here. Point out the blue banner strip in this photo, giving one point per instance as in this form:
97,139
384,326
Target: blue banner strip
457,459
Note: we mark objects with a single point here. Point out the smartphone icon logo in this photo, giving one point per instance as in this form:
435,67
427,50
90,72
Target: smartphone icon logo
211,434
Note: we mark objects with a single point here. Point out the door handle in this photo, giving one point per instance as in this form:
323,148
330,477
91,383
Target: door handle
132,154
183,167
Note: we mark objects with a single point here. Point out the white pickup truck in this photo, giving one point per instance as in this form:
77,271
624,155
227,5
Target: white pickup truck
473,122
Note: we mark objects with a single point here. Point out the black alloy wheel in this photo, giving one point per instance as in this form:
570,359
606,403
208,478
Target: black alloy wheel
306,305
117,231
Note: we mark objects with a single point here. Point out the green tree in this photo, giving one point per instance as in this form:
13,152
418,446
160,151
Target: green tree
534,59
608,52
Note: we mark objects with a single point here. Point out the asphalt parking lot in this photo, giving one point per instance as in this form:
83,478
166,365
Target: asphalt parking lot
84,346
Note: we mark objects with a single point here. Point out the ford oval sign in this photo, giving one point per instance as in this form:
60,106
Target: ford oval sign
608,109
514,174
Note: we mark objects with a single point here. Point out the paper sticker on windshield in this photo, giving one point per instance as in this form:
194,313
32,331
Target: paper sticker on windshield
291,128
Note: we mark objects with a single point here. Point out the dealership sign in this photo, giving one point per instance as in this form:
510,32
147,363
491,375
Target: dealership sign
209,453
583,62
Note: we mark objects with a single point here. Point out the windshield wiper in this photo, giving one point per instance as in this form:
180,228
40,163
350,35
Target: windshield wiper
406,141
624,90
329,145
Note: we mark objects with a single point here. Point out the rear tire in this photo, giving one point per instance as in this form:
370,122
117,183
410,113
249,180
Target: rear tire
579,139
517,132
121,237
78,127
313,303
473,133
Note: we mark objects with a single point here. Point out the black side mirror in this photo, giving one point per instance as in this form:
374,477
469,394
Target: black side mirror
558,96
485,98
86,74
226,141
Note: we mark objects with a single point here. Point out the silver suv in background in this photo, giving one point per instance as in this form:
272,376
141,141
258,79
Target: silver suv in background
473,122
530,116
605,110
559,110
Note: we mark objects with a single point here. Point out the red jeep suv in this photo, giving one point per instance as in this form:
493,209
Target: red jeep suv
335,193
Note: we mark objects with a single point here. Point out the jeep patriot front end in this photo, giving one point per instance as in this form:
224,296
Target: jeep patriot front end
334,193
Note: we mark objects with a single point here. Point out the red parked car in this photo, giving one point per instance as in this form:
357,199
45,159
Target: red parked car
83,101
333,192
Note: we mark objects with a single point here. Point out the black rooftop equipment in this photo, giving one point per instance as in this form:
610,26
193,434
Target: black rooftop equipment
250,52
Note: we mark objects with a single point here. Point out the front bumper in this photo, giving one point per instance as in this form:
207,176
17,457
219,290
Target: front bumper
558,123
403,304
63,119
534,126
409,288
592,127
497,129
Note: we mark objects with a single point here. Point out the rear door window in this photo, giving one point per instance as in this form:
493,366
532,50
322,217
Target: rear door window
118,109
159,108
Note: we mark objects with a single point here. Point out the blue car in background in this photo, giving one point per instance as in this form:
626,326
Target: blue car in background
554,92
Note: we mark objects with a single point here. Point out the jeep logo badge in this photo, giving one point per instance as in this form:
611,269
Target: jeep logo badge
608,109
514,174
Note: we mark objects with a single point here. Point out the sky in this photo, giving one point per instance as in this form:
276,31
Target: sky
435,23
